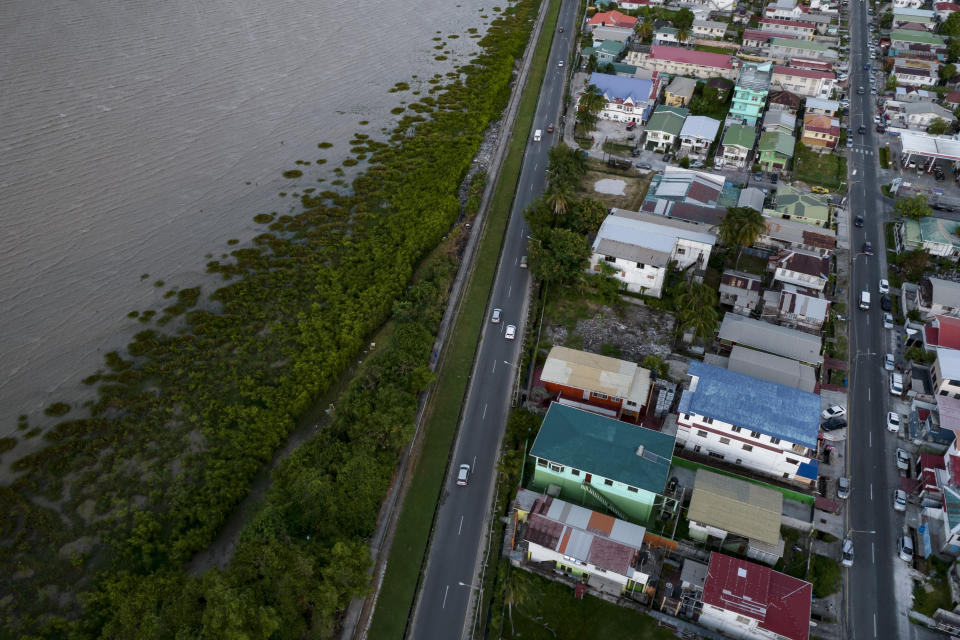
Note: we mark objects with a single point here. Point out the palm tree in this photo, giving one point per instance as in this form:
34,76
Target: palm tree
591,103
695,308
683,35
740,228
560,197
565,164
514,593
644,30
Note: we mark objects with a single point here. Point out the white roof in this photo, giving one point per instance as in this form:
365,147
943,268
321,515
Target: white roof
949,360
700,127
751,197
919,13
710,24
945,292
929,107
927,145
820,103
650,231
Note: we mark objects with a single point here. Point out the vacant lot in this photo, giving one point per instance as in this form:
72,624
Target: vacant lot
636,185
813,168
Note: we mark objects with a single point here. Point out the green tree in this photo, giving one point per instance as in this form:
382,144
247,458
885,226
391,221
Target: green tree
696,309
657,365
560,197
683,19
560,256
886,20
515,592
951,26
566,164
914,263
741,227
953,48
587,216
939,126
609,69
684,162
644,30
591,103
683,35
592,63
914,207
948,71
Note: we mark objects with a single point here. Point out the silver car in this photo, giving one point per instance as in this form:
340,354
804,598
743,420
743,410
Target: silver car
511,332
899,500
843,487
846,553
905,547
495,318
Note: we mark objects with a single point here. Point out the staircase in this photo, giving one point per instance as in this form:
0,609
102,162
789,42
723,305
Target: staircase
602,499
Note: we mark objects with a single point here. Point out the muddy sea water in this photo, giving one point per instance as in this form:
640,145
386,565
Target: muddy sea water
137,137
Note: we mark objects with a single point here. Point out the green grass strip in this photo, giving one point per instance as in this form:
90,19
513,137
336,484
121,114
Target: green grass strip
413,527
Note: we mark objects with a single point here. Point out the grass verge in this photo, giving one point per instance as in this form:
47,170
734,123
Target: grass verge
413,527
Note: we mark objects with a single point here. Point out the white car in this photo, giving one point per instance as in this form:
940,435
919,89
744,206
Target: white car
835,411
843,487
510,333
888,362
463,475
899,500
893,422
903,459
888,320
560,64
846,553
884,285
905,547
495,318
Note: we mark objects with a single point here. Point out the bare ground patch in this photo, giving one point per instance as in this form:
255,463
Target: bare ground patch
635,186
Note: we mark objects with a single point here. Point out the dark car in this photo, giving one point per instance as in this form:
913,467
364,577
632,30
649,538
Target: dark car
880,129
634,152
861,129
868,248
858,221
866,67
550,128
831,424
885,302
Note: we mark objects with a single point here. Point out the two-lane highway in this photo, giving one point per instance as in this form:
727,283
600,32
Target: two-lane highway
442,609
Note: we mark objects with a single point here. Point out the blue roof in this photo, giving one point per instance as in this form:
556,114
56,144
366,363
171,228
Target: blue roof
605,447
772,409
808,469
638,89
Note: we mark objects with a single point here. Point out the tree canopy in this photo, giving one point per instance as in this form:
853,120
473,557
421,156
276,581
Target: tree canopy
914,207
559,256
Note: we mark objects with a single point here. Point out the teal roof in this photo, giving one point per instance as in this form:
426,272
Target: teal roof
611,47
620,67
605,447
668,119
777,141
938,230
740,135
906,35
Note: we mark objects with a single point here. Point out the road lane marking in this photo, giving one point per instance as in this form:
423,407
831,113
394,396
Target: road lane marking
509,290
869,439
460,528
868,393
871,492
484,411
444,605
494,370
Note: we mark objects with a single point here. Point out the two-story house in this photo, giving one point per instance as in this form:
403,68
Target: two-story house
600,462
768,428
797,28
789,234
935,235
640,247
902,39
608,386
775,150
812,83
783,49
819,106
612,19
924,17
664,127
820,133
679,92
736,147
806,269
782,100
777,120
696,136
709,29
936,297
920,115
626,99
767,366
681,61
740,290
805,206
750,94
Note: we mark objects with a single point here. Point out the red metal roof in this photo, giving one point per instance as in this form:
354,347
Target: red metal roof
931,461
788,23
949,333
954,470
810,63
947,6
755,35
801,73
953,97
691,56
780,602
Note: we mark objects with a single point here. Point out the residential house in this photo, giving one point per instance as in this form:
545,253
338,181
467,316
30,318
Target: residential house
796,307
945,373
916,72
705,214
736,147
740,290
709,29
664,127
750,94
748,600
680,61
601,462
640,246
604,385
809,270
762,426
769,338
908,4
795,28
607,34
771,368
944,9
740,516
920,115
790,234
688,186
781,100
600,550
811,83
697,135
804,206
612,19
753,198
936,297
775,150
782,49
631,5
943,331
666,35
924,17
952,100
754,38
936,236
608,51
782,121
784,9
901,39
820,132
627,99
822,107
679,92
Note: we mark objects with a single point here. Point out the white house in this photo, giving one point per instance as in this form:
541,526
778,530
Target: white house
907,4
756,424
807,269
640,247
785,9
696,136
936,297
709,29
796,28
920,115
627,99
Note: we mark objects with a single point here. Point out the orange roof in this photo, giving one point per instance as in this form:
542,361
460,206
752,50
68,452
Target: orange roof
612,19
600,522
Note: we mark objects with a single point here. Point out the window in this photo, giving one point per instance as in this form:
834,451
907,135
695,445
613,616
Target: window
755,434
786,475
724,440
708,420
556,467
685,416
716,455
681,251
697,449
944,392
792,461
701,434
633,490
774,440
599,396
631,403
608,482
541,462
735,429
748,447
575,472
609,258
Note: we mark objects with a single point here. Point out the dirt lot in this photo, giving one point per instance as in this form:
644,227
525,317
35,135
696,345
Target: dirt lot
636,185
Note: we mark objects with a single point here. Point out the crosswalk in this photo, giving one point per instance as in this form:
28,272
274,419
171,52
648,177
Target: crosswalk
866,152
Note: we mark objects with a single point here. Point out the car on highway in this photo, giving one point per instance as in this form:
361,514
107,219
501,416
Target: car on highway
866,67
868,248
495,316
893,421
861,129
888,362
843,487
858,221
550,128
903,459
834,411
886,303
463,475
560,64
846,553
849,143
819,189
888,320
899,500
859,91
511,332
905,547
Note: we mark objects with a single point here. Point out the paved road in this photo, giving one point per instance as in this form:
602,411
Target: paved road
457,546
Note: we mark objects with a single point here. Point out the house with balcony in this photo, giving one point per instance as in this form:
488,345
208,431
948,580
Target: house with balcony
820,133
747,600
613,19
775,151
821,107
936,297
812,83
797,308
664,127
601,463
924,17
739,516
666,35
944,9
681,61
761,426
805,269
627,99
641,246
903,39
679,92
697,135
607,386
934,235
769,338
915,73
709,29
803,206
800,29
604,552
785,10
607,51
736,148
920,115
740,290
750,94
756,39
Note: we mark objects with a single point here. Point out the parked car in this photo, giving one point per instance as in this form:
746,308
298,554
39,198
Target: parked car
858,221
884,285
859,91
888,362
463,475
643,165
903,459
843,487
849,143
846,553
886,303
899,500
905,547
819,189
868,248
832,424
511,332
888,320
896,384
833,412
560,64
495,318
634,152
893,421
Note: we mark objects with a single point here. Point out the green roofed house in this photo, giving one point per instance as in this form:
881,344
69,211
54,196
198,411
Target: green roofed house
735,149
802,206
600,462
606,51
936,236
664,126
901,39
775,150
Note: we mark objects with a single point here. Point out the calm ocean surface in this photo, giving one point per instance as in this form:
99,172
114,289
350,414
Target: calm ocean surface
128,132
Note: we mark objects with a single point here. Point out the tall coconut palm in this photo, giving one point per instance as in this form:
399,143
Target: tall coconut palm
695,308
591,103
683,35
560,197
515,592
740,228
644,30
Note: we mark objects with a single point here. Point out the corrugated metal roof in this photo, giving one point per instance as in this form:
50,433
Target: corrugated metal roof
771,338
767,366
598,373
736,506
